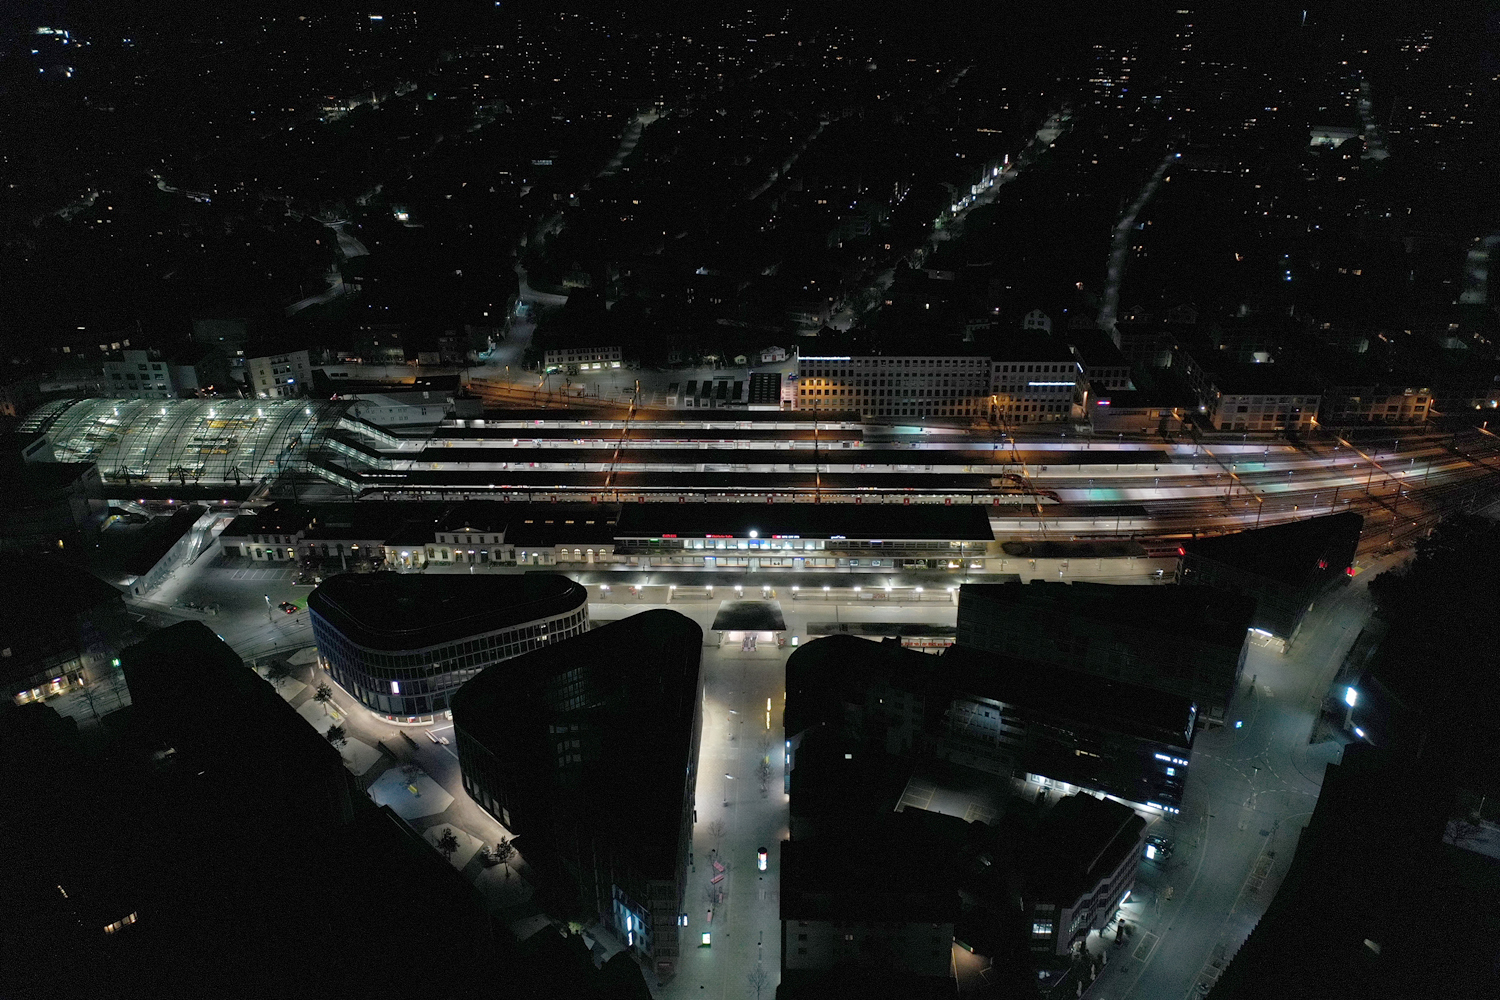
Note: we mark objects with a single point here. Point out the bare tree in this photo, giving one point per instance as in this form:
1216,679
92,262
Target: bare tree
764,771
504,851
716,831
278,673
758,979
448,843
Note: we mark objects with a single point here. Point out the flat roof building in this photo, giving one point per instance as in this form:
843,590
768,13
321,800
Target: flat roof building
402,644
587,750
1283,567
61,626
1177,640
992,713
262,749
1060,727
899,915
1090,849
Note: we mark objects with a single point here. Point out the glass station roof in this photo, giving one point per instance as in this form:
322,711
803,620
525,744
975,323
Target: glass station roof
198,440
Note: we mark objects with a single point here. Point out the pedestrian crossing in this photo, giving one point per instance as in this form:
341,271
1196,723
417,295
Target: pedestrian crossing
267,574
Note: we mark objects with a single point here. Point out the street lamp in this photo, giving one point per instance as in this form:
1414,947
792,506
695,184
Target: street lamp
727,779
269,619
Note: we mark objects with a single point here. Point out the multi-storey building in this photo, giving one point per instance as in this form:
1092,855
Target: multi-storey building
287,374
1105,367
584,358
1284,568
904,919
147,374
1344,404
1263,397
1037,381
1091,849
402,644
588,749
1064,729
952,387
1004,715
1189,642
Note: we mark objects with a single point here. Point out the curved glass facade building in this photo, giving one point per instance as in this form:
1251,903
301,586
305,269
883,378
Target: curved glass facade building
197,440
402,644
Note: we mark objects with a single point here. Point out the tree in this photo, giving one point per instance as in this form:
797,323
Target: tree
447,843
323,696
764,771
336,736
278,672
758,979
504,851
715,831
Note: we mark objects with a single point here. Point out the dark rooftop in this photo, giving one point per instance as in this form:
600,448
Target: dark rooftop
1082,838
1287,553
277,519
39,600
634,684
960,522
1051,690
822,672
1205,614
1025,347
139,549
1248,378
394,611
1096,348
908,878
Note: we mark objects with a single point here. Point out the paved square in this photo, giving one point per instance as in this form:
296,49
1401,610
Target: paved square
501,892
468,844
317,717
358,756
390,789
290,688
303,657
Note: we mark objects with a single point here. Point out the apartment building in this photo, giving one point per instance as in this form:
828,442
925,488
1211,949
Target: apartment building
284,375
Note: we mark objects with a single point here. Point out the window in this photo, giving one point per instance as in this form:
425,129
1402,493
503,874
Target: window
1041,928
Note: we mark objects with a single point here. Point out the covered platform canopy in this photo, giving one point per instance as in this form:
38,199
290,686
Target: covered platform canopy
187,440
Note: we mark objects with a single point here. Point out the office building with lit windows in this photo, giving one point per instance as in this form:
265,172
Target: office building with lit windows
1037,381
402,644
934,386
587,751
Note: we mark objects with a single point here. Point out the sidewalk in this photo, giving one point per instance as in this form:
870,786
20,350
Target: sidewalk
389,767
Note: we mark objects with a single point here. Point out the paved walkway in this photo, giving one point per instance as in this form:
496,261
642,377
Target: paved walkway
389,765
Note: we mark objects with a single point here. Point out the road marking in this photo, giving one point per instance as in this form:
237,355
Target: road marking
1148,945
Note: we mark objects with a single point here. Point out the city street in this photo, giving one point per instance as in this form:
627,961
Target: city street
1250,792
